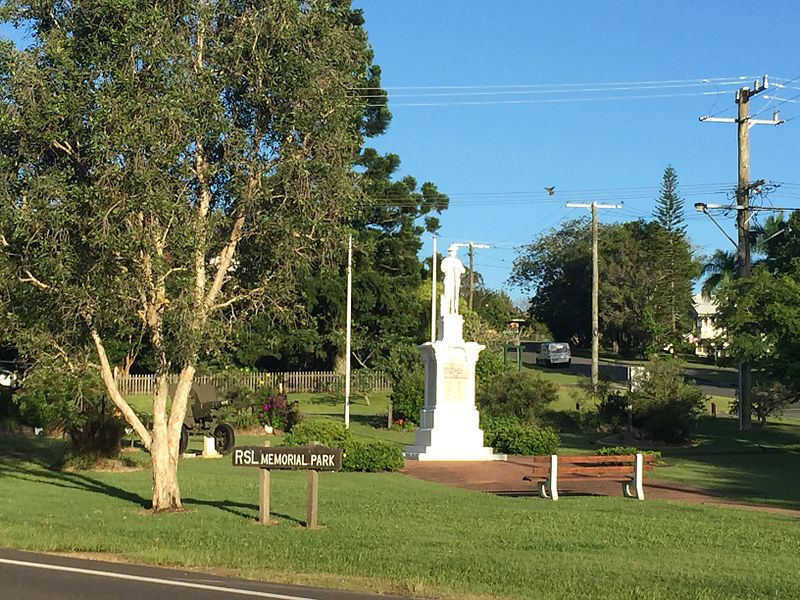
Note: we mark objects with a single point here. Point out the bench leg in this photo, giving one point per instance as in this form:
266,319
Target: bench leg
552,481
636,482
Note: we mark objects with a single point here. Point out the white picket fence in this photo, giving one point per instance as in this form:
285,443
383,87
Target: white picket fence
292,382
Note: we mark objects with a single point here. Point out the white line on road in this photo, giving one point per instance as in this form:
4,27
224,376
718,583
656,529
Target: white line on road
155,580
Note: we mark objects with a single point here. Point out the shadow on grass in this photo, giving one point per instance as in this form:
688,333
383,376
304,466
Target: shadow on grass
758,466
245,510
37,472
32,459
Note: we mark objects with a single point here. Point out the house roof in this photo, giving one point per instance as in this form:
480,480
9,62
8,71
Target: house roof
704,306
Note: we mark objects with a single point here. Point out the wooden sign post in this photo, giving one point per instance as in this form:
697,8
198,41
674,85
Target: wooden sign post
310,458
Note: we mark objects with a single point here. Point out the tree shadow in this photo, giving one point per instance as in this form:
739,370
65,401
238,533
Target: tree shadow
27,460
374,421
69,481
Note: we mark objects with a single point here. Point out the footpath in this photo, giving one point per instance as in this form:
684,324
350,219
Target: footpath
504,478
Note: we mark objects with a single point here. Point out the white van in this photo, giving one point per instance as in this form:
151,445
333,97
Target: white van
554,353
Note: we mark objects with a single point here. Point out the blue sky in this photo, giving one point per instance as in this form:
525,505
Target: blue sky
531,104
493,149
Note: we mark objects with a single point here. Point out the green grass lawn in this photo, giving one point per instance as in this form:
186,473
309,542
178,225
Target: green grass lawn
393,533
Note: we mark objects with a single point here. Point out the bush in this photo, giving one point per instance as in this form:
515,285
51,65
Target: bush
359,455
328,433
371,456
489,366
612,411
73,402
512,437
238,417
239,397
520,394
408,396
275,411
664,406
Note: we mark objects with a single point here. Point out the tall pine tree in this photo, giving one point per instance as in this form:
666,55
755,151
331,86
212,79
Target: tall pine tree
673,290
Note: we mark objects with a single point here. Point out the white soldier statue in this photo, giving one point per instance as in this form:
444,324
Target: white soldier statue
453,269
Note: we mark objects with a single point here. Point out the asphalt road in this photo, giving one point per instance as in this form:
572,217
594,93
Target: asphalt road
32,576
619,373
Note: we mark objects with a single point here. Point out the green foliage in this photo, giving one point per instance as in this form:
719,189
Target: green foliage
663,405
239,396
275,411
625,450
495,308
239,417
646,274
669,205
325,432
510,436
74,402
170,169
408,396
371,456
490,365
612,411
672,290
557,269
521,394
359,455
761,316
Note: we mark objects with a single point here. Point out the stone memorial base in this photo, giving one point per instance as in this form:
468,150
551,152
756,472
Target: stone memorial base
449,422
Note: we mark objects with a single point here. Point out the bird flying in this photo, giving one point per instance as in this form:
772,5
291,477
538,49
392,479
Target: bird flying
551,189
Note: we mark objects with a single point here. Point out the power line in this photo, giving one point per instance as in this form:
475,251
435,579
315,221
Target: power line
542,100
550,90
719,80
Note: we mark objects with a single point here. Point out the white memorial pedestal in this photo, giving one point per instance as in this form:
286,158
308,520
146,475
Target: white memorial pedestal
449,422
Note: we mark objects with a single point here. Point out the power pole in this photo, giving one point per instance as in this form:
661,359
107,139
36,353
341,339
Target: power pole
743,125
472,246
595,287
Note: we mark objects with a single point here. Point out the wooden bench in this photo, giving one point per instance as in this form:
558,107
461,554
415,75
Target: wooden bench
628,468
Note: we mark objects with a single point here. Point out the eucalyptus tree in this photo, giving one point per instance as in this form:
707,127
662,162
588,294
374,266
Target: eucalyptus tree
168,168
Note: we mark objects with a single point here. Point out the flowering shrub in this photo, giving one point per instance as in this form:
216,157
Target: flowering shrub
274,410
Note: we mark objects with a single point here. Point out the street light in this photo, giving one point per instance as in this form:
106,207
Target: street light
703,208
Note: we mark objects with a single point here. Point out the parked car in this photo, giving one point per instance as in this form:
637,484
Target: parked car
12,372
554,354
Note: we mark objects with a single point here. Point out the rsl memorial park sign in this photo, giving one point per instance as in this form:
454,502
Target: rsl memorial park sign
309,458
317,458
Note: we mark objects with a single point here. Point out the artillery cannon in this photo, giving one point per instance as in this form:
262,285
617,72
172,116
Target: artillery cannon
201,418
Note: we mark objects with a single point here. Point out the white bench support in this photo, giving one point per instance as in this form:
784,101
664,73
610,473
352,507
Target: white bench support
636,482
552,481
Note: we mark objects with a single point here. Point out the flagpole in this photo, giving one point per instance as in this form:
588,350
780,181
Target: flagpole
433,292
349,324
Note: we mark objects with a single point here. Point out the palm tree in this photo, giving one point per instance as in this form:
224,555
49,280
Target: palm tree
720,268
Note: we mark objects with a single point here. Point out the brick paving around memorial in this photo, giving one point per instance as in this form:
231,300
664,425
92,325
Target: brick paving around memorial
506,478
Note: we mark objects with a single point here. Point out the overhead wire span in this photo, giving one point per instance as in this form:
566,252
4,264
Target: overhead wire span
728,81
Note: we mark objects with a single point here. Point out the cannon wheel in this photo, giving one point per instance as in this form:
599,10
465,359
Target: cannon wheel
224,439
184,443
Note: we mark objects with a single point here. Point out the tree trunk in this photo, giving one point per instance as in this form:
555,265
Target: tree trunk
164,461
166,439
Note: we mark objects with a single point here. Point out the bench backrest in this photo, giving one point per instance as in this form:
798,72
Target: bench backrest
607,465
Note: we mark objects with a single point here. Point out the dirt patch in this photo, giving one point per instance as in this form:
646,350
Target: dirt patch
105,465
